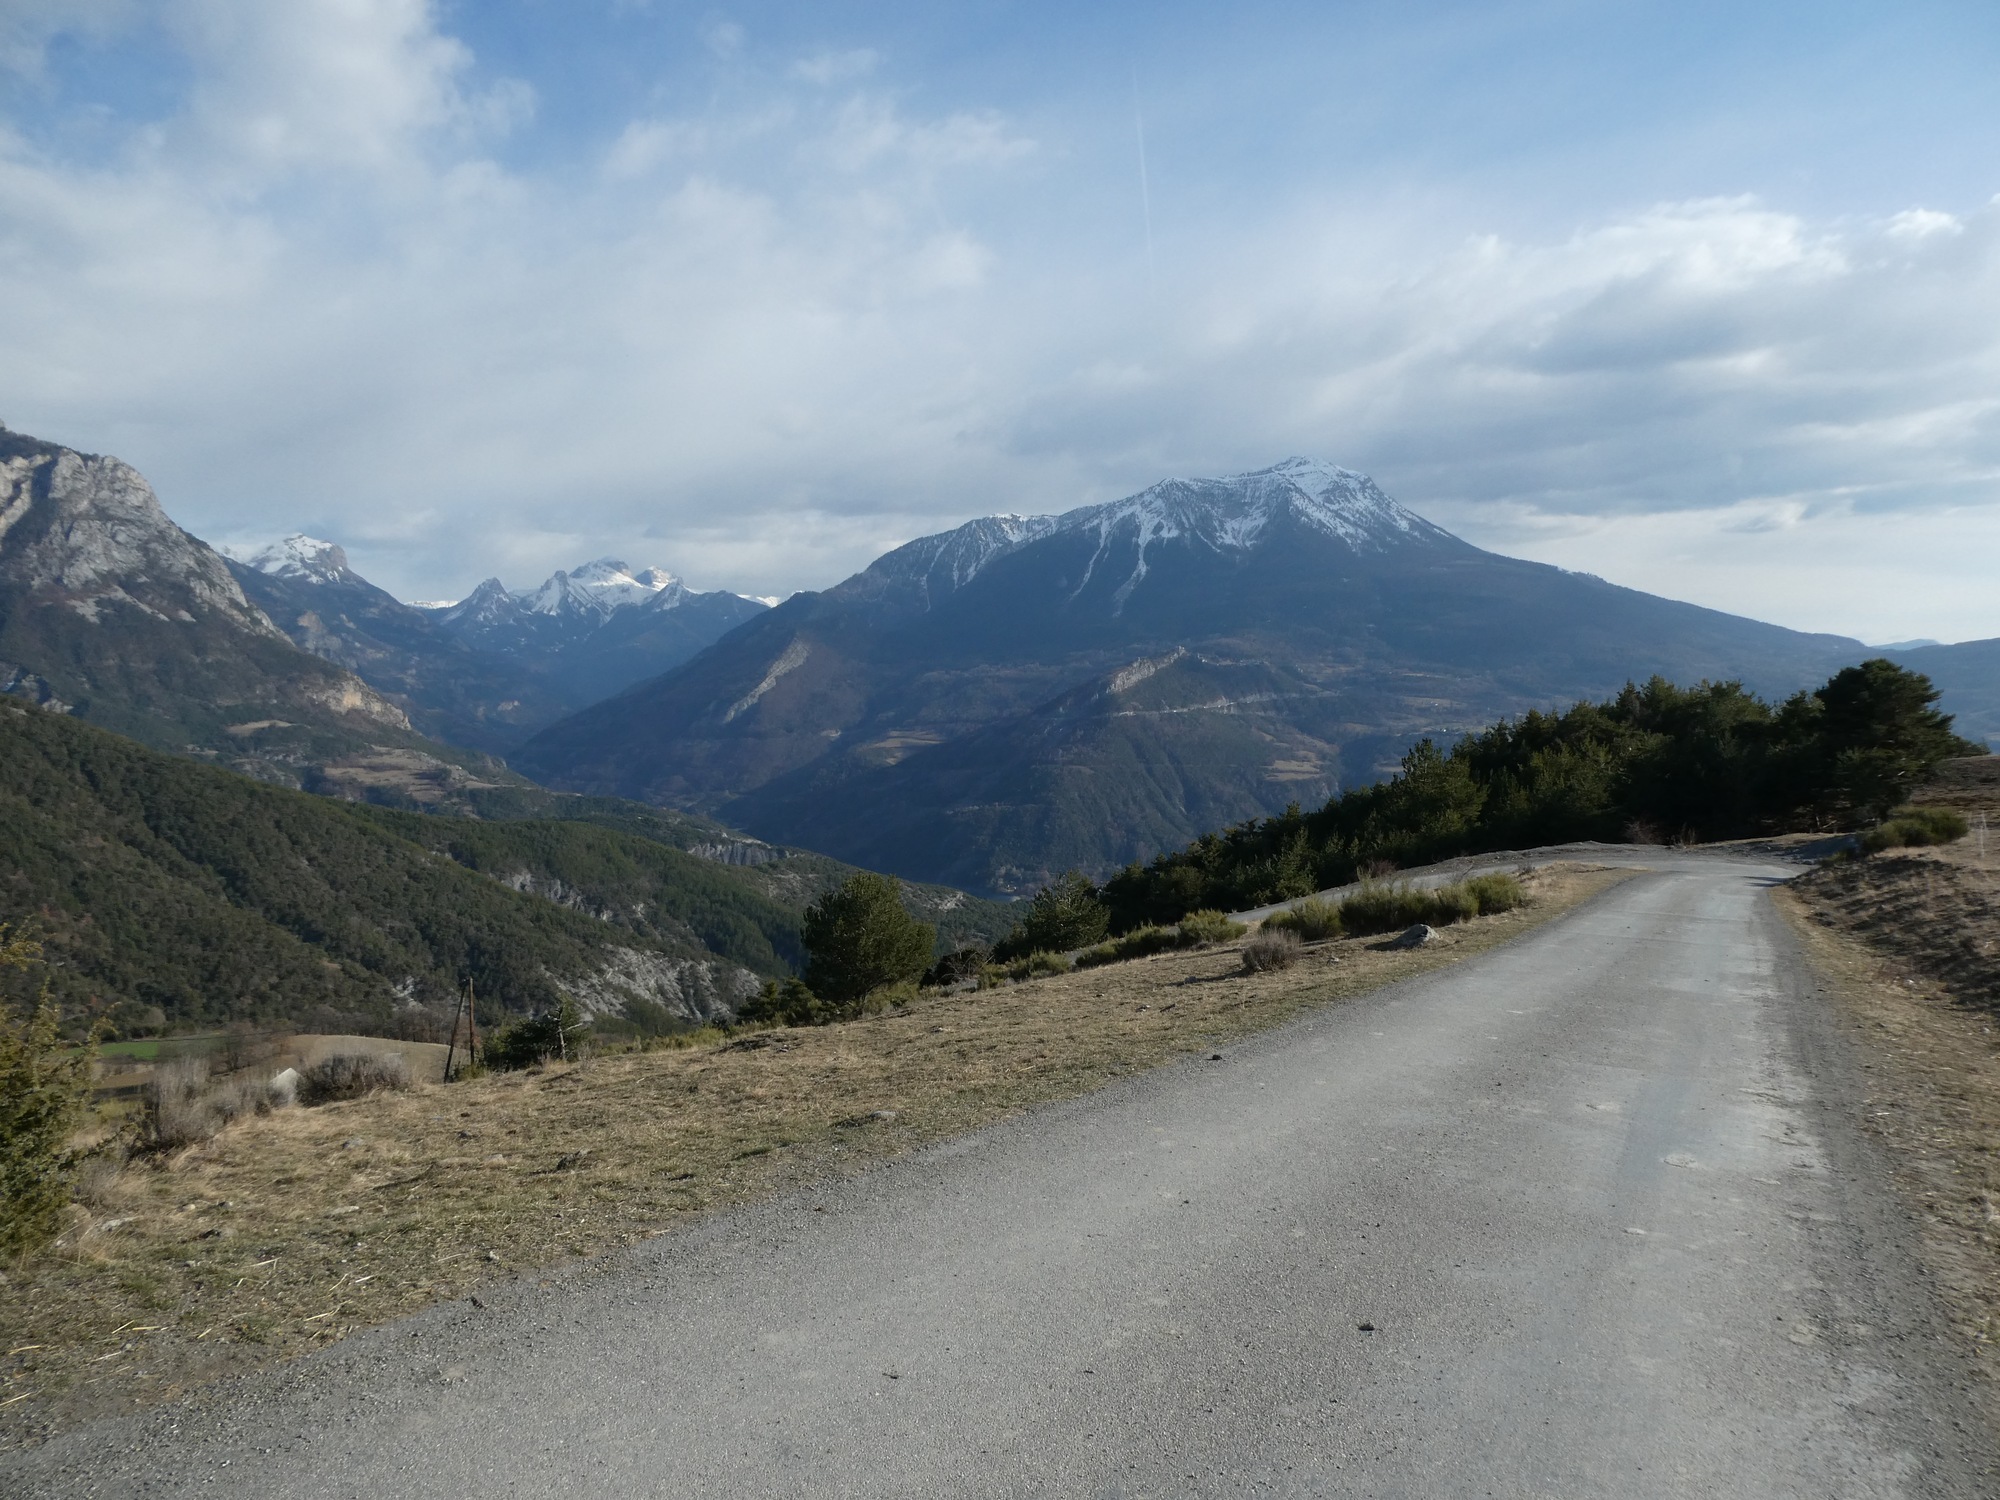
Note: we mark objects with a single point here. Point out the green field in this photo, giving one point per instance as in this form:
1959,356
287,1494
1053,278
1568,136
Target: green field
163,1048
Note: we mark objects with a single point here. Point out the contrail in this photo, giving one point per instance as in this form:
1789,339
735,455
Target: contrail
1145,188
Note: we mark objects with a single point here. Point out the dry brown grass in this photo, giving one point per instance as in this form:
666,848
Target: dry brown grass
1934,1100
286,1231
1910,944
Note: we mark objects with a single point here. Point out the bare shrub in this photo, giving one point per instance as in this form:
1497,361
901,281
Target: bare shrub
178,1111
350,1075
241,1096
96,1180
1271,950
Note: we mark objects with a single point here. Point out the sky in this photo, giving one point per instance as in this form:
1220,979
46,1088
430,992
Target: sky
1703,298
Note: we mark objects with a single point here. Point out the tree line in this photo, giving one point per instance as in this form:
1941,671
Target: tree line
1656,762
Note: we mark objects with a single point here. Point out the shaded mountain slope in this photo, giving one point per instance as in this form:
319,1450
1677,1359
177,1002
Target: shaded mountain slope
994,704
111,612
490,670
158,882
451,690
1968,677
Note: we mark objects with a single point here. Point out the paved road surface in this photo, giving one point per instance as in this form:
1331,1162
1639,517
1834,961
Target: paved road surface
1596,1195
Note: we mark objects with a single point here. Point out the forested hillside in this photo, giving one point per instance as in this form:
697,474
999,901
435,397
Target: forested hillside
168,893
1655,762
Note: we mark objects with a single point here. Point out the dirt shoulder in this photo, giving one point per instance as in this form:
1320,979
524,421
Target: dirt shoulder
288,1231
1910,944
1935,912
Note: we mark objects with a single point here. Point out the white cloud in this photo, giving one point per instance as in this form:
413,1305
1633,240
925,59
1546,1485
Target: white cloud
832,67
759,343
723,37
328,83
28,26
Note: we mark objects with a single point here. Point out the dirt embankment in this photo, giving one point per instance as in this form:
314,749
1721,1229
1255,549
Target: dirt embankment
1910,942
1936,912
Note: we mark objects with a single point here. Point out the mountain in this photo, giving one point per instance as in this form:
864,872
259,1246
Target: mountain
111,612
1968,677
996,703
159,884
600,628
451,690
491,669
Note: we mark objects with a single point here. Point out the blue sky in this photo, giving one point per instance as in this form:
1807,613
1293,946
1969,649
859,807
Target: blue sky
1703,298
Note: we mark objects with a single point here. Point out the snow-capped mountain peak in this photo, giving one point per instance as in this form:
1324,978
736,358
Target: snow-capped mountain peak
1228,514
299,556
1232,512
597,588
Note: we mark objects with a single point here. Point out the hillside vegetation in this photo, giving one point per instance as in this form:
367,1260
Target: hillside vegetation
1656,762
170,894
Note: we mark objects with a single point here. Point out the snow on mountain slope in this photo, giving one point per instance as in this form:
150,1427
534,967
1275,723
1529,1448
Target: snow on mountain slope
299,556
597,588
1229,514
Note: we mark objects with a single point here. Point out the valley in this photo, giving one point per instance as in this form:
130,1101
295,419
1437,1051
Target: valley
258,808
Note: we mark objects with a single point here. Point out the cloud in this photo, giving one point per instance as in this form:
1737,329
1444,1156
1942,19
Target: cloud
763,339
327,83
724,38
826,68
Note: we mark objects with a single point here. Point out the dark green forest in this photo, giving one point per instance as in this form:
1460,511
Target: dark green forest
168,894
1656,762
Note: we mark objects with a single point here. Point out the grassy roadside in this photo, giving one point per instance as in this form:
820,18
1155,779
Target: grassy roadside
288,1231
1934,1102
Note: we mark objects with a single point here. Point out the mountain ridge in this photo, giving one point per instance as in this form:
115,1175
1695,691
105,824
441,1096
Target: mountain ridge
110,611
492,668
1303,628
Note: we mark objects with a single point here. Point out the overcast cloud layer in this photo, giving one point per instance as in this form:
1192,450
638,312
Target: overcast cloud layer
757,302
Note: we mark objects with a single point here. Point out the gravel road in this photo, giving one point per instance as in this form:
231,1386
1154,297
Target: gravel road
1587,1216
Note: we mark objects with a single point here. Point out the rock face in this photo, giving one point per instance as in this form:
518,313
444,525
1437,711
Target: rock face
111,611
85,534
697,990
492,669
1022,695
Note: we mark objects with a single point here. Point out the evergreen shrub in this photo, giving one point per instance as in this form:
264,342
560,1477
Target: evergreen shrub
1914,827
859,938
1200,929
44,1088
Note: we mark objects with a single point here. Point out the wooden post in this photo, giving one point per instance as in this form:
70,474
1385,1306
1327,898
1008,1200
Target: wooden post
451,1041
471,1027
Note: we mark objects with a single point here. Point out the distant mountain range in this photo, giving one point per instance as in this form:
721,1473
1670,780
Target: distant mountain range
494,667
996,703
1968,676
984,707
110,611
